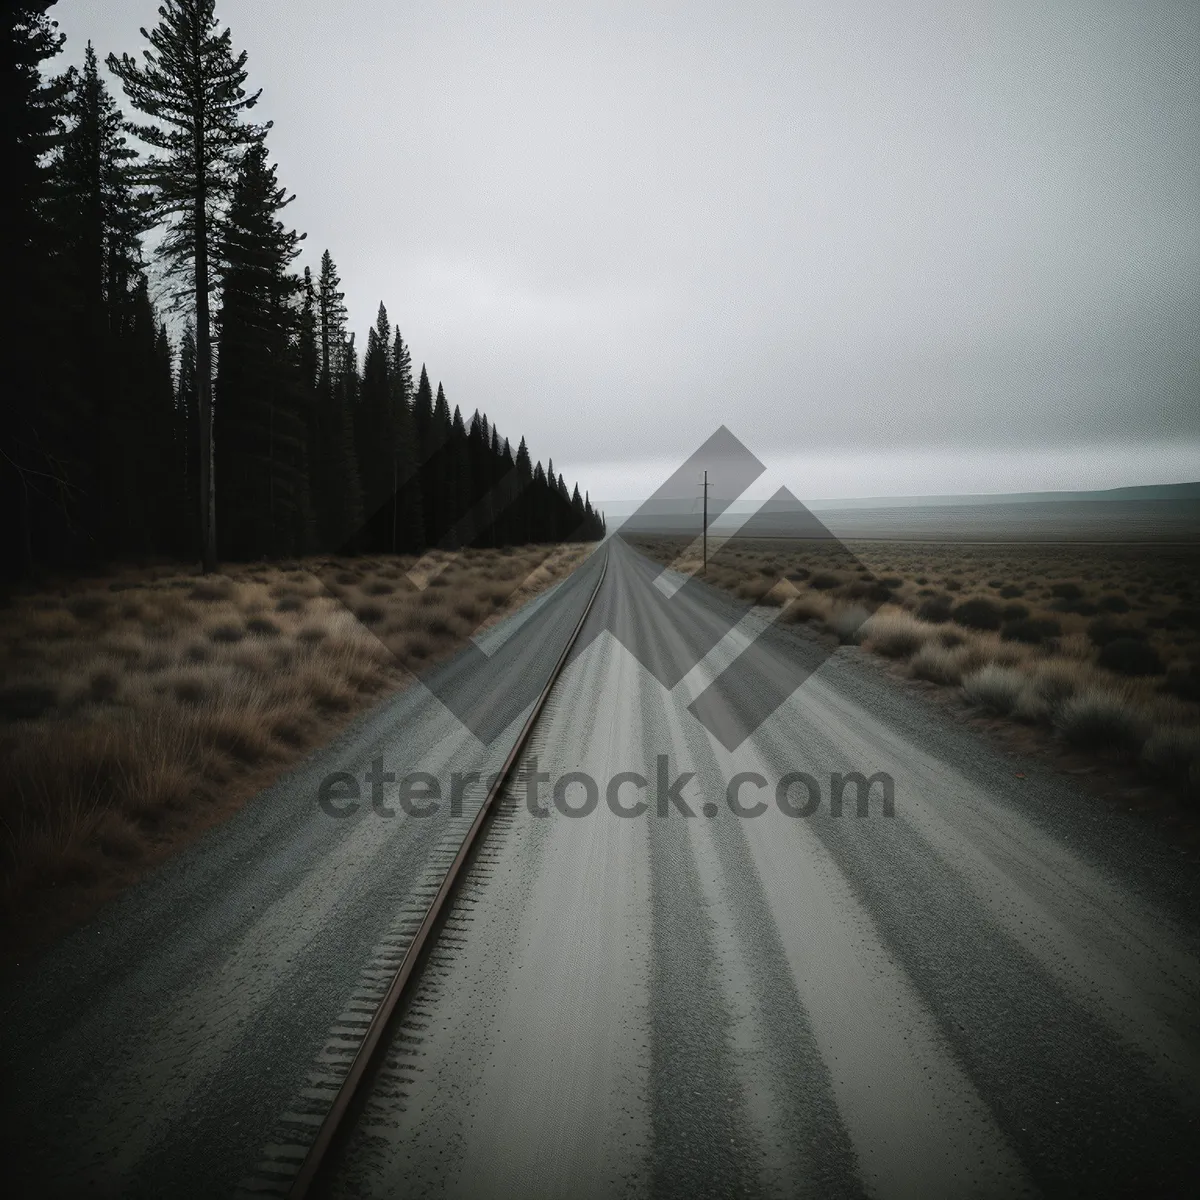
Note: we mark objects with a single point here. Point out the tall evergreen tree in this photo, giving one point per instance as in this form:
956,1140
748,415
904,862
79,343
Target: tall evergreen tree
375,435
460,483
522,529
308,357
192,89
407,525
307,348
347,512
331,315
540,526
97,220
262,450
336,489
442,466
428,441
29,479
483,481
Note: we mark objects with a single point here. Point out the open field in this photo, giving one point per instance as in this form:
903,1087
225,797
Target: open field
1098,643
139,707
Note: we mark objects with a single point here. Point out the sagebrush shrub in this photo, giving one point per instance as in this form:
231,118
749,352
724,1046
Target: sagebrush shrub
1030,631
1131,656
1066,590
977,614
895,635
1098,718
936,609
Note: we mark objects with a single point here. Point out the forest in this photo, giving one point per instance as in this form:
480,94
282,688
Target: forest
258,430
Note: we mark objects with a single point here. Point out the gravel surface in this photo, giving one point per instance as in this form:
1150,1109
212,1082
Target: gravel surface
992,992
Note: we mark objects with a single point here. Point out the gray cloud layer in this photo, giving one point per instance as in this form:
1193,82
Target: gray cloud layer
836,226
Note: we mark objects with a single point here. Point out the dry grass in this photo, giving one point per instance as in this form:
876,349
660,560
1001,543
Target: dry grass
995,687
131,703
895,634
1098,643
939,663
1102,718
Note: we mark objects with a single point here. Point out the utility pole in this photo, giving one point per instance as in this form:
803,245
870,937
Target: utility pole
704,533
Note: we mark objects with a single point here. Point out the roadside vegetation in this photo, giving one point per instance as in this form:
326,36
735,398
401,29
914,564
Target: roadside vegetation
139,707
1097,644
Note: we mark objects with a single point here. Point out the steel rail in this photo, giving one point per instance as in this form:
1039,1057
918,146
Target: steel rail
318,1152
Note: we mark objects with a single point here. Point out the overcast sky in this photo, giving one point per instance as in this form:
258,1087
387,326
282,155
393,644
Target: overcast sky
897,248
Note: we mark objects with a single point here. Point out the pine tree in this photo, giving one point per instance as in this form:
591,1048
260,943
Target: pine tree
307,356
442,465
375,435
407,525
29,38
460,486
425,447
522,528
336,488
192,90
97,220
347,513
540,526
483,482
262,451
331,315
29,482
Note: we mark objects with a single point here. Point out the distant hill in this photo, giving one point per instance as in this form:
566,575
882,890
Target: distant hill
1134,520
1157,512
1153,491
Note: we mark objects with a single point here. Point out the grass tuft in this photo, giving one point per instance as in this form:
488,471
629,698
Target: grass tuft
995,687
939,663
1099,718
895,634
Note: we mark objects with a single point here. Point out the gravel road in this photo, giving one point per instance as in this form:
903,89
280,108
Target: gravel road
993,991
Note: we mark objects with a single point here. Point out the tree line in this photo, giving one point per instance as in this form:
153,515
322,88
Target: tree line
260,431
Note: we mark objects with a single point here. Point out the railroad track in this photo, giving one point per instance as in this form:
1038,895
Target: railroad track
336,1123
